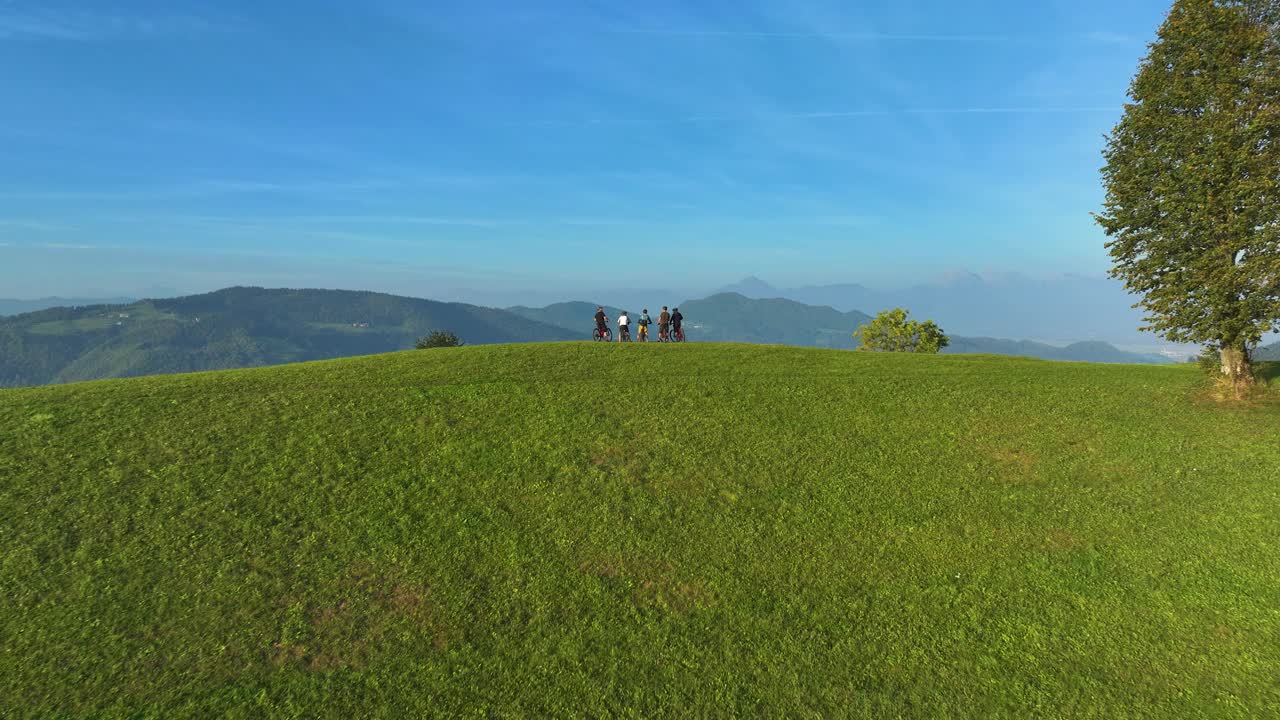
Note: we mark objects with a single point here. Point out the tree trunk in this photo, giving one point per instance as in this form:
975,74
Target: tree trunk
1236,368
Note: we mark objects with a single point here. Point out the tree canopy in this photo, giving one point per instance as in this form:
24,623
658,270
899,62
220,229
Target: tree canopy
894,331
1193,179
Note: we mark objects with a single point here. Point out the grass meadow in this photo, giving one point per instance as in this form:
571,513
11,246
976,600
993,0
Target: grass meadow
589,530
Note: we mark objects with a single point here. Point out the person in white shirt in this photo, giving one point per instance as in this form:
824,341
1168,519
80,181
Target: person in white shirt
624,334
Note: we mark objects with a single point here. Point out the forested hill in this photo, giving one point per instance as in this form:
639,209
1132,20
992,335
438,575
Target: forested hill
576,317
236,327
736,318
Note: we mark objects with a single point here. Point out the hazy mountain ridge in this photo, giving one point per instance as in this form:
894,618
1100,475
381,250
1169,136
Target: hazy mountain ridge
734,317
236,327
10,306
575,316
1088,351
1009,305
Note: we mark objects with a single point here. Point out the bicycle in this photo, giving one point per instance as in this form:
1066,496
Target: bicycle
624,333
602,334
677,335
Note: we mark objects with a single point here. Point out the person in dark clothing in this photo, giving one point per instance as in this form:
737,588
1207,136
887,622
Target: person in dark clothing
676,321
664,321
602,322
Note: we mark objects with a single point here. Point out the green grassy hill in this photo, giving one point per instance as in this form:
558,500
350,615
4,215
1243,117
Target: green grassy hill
591,530
236,327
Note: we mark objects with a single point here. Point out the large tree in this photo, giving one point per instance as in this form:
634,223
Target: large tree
1193,179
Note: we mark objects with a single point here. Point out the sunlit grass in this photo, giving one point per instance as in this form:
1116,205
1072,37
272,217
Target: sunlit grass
587,529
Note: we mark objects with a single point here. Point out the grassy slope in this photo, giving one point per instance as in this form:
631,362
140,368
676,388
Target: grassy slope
564,529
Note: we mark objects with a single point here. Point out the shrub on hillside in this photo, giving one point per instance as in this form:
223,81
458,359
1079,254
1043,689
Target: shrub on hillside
894,331
438,339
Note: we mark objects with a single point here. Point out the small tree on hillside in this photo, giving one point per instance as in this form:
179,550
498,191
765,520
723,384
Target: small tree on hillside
438,339
1193,180
894,331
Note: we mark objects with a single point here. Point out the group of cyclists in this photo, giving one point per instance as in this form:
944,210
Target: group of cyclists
670,326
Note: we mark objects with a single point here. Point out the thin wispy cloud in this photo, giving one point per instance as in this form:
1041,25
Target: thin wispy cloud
65,246
869,36
203,188
837,114
851,36
40,225
42,22
279,221
310,223
749,115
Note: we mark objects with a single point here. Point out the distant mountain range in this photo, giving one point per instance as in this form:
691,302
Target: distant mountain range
1066,307
727,317
736,318
1093,351
574,317
733,317
246,327
1267,353
17,307
237,327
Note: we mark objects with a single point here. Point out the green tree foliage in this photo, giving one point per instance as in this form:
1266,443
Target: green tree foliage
1193,179
894,331
438,339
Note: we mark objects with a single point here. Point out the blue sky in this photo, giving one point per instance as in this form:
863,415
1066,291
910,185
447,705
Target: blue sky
437,148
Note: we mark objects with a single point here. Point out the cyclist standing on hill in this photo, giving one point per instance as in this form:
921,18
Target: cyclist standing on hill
677,320
644,323
624,324
663,321
602,322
